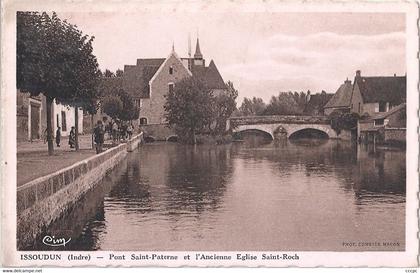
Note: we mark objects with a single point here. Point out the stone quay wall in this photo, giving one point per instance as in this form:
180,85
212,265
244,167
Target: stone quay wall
45,199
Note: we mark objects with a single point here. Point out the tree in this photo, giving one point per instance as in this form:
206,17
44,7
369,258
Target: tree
112,106
301,99
283,104
224,105
108,74
129,110
252,107
54,58
189,108
119,73
343,121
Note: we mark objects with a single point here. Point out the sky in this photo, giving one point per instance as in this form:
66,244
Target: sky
262,53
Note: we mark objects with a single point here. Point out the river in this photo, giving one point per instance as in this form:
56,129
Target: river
319,195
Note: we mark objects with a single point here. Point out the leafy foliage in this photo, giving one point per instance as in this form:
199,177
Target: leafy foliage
112,106
252,107
120,106
55,58
283,104
119,73
343,121
108,73
223,107
189,108
129,110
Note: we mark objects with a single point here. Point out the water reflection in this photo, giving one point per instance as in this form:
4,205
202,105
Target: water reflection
253,195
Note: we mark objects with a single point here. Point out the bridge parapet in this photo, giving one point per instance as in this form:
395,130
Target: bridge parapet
247,120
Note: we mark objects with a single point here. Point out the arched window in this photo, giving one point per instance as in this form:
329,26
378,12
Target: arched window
171,70
143,121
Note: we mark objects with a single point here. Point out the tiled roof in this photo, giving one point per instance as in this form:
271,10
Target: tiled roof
317,102
382,89
137,77
151,61
341,98
210,76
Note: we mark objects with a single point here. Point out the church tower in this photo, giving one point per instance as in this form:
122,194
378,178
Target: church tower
198,57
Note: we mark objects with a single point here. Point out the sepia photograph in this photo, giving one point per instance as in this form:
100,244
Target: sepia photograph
212,131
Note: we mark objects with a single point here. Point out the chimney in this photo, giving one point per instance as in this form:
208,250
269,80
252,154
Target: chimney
395,75
358,73
347,81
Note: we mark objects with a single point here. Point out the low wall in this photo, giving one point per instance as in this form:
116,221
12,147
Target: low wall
395,134
45,199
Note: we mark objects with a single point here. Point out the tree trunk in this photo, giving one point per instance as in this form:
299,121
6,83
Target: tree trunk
91,125
76,125
50,135
194,138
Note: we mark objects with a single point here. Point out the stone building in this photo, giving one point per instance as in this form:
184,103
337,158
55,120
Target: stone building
31,117
380,102
341,100
368,95
387,127
149,80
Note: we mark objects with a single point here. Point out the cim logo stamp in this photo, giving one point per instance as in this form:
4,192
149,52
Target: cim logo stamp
52,241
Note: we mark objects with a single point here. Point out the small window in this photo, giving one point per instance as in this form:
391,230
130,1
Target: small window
360,108
63,121
58,121
171,70
171,87
379,122
143,121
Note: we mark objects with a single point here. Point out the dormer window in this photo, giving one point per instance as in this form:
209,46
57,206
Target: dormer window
171,70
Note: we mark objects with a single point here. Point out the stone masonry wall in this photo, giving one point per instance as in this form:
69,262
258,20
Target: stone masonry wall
152,108
45,199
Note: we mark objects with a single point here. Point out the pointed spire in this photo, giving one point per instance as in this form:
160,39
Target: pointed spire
197,54
173,46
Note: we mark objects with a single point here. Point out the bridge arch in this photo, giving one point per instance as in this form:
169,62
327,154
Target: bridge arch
259,130
148,139
309,132
172,138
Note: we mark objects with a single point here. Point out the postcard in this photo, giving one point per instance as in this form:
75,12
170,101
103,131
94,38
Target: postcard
195,133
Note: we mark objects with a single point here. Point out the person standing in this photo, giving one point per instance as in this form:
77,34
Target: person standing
98,133
130,131
72,137
58,136
114,132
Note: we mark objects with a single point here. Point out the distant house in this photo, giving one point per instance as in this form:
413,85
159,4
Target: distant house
316,103
368,95
386,127
373,95
31,117
380,101
341,100
149,80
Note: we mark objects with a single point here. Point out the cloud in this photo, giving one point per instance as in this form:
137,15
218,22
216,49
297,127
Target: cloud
319,61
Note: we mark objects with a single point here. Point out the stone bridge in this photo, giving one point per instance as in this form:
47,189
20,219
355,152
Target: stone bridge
277,126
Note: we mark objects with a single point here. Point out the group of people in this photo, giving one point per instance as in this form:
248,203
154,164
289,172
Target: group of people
72,137
115,131
119,131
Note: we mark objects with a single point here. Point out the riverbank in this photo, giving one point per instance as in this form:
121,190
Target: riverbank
43,200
